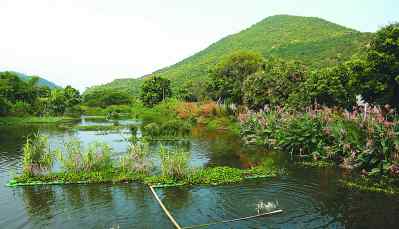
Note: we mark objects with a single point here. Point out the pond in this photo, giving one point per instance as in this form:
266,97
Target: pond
310,198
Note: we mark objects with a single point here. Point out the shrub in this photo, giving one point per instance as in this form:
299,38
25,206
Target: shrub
4,106
21,108
152,129
175,128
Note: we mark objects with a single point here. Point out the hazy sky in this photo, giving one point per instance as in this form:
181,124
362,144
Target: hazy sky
88,42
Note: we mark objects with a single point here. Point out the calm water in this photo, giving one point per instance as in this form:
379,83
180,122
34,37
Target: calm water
310,198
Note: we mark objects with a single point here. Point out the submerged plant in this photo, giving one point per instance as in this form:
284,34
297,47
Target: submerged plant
174,163
37,155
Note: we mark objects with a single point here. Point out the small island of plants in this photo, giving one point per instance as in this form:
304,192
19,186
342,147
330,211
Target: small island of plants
96,164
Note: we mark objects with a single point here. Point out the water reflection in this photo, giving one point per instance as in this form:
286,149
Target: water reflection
39,203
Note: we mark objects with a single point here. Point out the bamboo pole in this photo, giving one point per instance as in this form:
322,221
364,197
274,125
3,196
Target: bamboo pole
234,220
164,209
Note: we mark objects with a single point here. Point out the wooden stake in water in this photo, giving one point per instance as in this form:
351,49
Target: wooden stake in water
164,209
234,220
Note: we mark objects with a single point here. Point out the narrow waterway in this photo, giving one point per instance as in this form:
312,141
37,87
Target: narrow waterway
310,198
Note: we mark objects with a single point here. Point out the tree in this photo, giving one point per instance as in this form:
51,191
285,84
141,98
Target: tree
192,91
106,97
12,87
72,96
154,90
274,84
228,76
4,106
336,86
380,79
56,101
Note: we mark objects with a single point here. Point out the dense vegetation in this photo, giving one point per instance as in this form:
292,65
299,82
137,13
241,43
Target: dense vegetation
95,165
337,108
313,41
315,115
23,98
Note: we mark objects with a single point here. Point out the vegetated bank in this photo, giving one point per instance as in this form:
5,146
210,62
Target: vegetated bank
344,113
30,101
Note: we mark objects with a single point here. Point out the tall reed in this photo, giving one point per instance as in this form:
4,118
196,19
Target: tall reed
38,157
137,159
97,157
175,163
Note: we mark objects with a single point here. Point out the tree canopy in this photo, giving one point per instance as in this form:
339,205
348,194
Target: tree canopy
155,90
228,76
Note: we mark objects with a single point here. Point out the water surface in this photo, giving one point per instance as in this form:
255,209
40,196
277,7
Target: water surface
310,198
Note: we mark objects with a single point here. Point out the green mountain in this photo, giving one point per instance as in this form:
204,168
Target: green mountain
131,86
314,41
41,82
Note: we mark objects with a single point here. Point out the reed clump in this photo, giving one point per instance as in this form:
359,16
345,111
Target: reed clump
37,155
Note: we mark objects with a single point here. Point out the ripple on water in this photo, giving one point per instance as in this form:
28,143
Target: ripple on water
205,204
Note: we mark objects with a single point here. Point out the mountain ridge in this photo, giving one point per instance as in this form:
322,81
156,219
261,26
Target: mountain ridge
42,81
314,41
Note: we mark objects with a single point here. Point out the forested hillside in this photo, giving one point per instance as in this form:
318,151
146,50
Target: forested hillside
313,41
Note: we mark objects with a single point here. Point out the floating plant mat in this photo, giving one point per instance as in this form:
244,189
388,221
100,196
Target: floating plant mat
205,176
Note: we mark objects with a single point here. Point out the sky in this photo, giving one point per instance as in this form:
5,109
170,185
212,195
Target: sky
90,42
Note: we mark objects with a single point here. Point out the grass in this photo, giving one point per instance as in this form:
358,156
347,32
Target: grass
98,128
97,157
383,185
316,164
174,164
37,155
137,159
7,121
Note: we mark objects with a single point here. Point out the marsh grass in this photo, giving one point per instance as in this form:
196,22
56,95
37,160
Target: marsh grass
175,163
382,185
7,121
37,155
97,157
137,159
98,128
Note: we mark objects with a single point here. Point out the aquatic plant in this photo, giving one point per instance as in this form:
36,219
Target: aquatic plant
151,129
174,163
97,157
98,128
137,159
38,157
367,141
199,176
215,176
